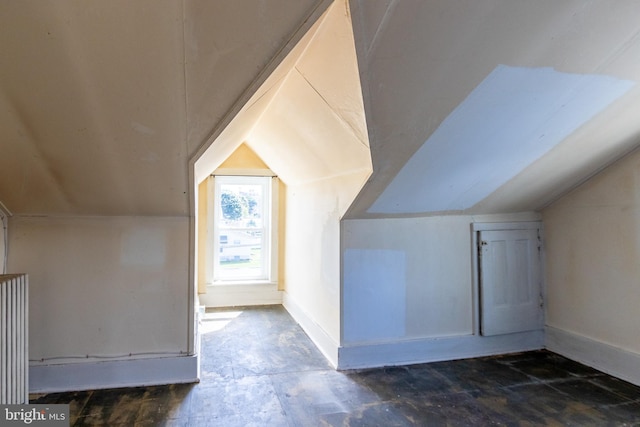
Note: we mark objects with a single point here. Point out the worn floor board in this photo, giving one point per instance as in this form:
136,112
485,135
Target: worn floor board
260,369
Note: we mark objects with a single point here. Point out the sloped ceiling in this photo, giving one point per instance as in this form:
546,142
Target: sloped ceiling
104,103
92,107
494,105
306,121
315,127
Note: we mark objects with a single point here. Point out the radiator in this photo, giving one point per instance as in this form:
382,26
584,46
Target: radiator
14,332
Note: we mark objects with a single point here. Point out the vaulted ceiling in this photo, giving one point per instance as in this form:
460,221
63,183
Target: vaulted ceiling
103,103
306,120
471,106
493,105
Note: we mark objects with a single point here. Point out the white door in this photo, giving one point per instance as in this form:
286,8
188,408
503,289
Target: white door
510,289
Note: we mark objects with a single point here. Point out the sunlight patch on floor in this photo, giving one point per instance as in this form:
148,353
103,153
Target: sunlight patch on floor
216,321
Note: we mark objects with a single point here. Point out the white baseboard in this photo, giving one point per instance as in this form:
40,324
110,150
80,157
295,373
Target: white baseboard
436,349
410,351
112,374
327,346
241,295
604,357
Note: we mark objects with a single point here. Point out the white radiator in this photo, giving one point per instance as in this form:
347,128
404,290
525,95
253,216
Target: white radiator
14,349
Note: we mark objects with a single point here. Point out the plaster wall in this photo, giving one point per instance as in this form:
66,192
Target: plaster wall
312,269
410,278
427,294
592,253
103,288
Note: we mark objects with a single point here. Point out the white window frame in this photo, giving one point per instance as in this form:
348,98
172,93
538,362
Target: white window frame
268,273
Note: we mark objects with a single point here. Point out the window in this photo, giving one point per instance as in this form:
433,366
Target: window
243,229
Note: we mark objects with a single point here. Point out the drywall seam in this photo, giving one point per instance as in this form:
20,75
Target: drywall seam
381,27
332,109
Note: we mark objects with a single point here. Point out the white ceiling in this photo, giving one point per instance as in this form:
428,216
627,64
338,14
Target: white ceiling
511,119
104,104
306,121
453,91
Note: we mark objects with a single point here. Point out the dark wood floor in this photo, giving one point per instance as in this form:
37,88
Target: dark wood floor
260,369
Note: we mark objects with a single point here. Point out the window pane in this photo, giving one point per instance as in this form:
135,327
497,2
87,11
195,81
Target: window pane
242,228
241,206
240,254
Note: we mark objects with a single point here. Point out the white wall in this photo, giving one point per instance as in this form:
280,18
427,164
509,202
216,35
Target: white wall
593,268
102,288
312,247
408,292
429,291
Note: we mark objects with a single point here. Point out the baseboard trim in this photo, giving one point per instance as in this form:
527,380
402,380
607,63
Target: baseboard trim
327,346
241,295
436,349
112,374
604,357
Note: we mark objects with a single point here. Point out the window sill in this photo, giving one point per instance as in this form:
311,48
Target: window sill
243,283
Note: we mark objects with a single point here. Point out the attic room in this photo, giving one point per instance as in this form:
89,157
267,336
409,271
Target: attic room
419,151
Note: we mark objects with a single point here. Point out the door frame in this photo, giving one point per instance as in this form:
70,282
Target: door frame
476,227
